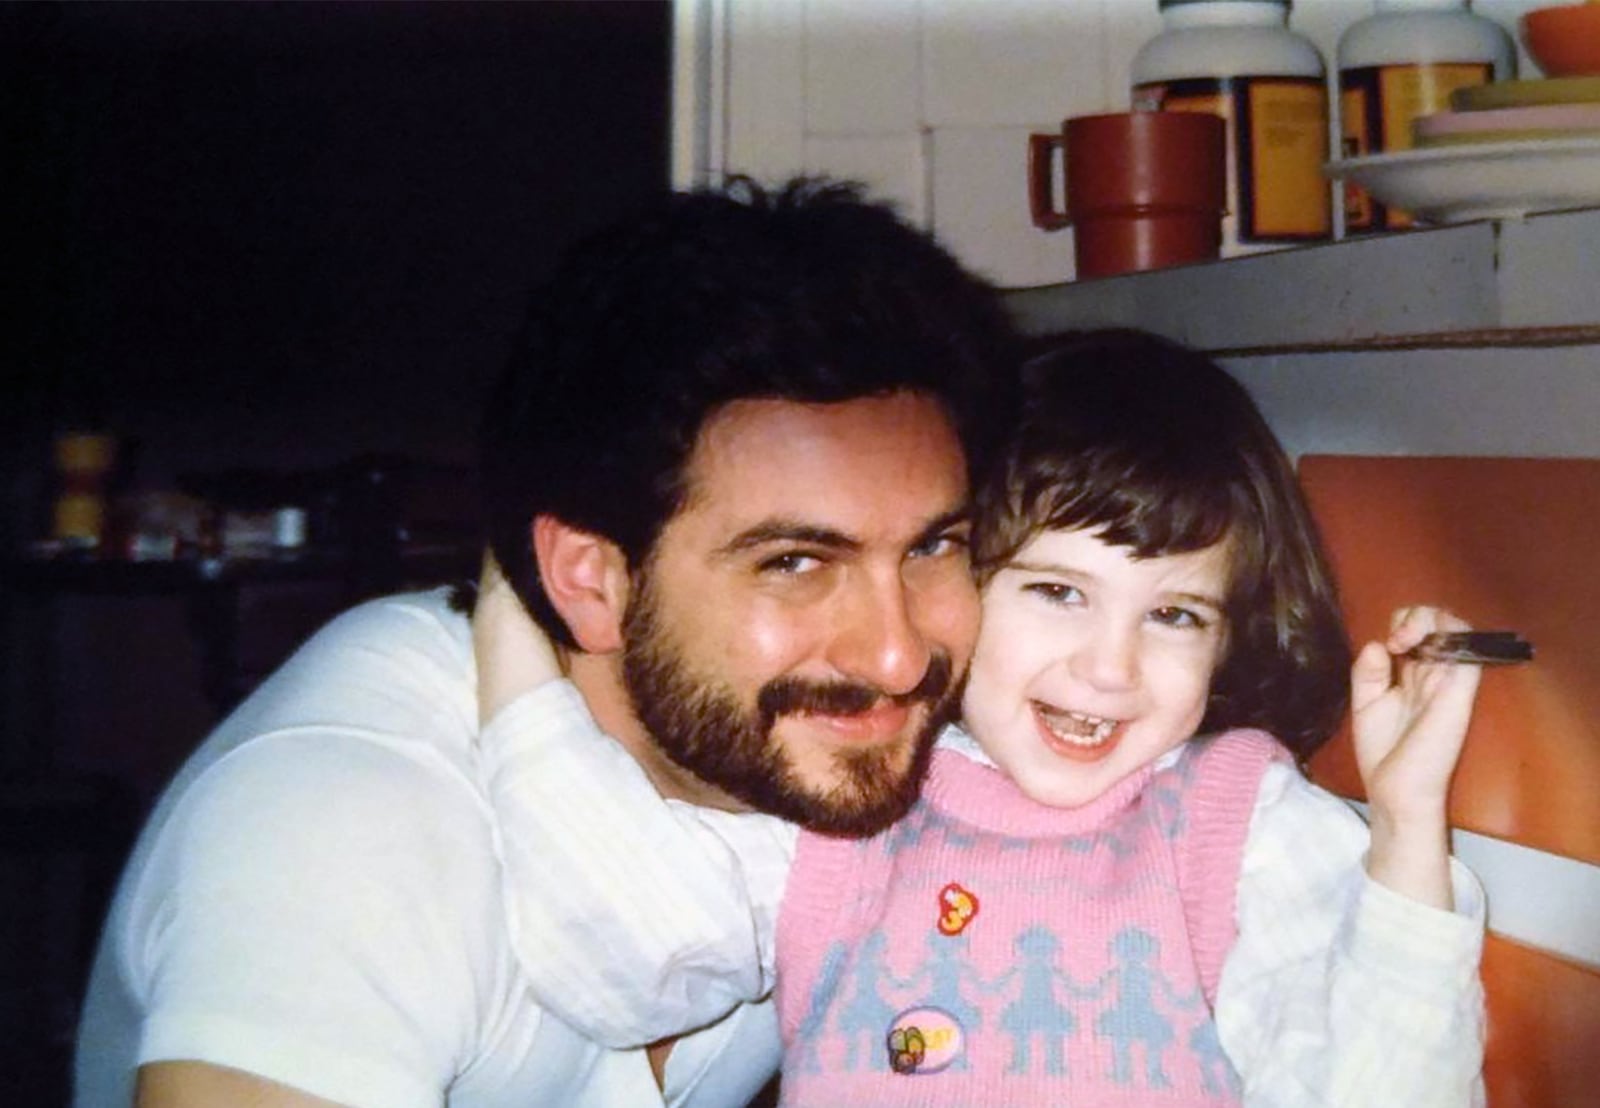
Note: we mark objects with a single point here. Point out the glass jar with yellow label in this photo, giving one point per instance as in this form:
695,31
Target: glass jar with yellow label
1401,62
1239,59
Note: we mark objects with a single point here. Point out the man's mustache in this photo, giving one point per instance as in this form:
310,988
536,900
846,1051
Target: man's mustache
794,695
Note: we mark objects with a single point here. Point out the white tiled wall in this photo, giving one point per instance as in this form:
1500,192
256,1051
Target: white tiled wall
931,101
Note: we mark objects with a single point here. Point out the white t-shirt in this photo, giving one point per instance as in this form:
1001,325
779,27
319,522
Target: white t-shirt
317,900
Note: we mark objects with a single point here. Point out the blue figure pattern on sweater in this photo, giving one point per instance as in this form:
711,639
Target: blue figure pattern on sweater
1076,967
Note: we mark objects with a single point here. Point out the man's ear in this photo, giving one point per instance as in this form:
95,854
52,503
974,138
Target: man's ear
586,578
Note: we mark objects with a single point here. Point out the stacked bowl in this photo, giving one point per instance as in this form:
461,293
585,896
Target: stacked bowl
1565,42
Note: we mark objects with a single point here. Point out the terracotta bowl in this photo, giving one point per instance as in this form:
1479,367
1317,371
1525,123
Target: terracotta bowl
1565,41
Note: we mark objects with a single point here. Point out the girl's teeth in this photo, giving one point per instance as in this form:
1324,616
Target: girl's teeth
1077,728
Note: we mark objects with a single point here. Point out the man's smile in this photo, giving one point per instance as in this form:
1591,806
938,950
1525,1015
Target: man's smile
882,722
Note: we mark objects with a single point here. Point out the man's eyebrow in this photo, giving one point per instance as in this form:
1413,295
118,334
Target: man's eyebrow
783,530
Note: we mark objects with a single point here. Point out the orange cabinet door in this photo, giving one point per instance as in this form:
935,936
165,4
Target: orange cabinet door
1511,543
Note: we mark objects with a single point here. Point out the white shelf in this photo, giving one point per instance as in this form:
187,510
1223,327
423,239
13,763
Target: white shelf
1512,282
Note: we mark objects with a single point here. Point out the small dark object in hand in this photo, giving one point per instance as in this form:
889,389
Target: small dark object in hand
1478,648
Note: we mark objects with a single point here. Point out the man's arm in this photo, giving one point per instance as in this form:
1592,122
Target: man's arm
202,1085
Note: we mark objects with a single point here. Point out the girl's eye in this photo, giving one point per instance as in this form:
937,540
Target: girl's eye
1180,617
1056,592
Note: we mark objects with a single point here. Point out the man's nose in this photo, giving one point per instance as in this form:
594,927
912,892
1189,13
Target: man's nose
880,640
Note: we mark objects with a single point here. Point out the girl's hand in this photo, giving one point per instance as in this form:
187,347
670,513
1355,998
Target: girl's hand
513,655
1409,721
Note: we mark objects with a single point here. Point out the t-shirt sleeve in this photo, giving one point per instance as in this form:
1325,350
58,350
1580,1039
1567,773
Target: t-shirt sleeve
312,925
316,903
1338,990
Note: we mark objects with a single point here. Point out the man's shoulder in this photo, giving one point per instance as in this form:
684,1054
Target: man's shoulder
370,724
401,624
396,669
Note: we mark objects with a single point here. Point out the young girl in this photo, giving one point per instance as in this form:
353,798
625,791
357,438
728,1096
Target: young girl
1091,904
1117,888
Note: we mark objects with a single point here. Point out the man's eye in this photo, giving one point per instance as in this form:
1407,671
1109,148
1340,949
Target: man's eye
1180,617
1056,592
789,564
941,546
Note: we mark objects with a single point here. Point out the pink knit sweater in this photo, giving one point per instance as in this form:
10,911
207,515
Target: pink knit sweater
989,951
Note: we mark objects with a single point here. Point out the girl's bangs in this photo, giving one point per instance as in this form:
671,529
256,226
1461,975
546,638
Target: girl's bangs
1151,512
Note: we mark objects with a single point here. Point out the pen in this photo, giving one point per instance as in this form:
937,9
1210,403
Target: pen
1481,648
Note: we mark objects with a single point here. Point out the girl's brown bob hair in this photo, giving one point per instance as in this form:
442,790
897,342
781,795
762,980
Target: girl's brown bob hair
1157,449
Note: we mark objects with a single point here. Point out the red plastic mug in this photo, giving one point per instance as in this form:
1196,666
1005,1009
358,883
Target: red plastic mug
1144,190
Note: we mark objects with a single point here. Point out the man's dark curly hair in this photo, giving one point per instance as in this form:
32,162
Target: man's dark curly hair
1159,450
807,293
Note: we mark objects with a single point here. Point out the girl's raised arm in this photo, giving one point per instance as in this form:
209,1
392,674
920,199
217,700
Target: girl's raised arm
1409,721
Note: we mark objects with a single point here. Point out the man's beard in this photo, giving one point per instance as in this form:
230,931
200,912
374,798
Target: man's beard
704,729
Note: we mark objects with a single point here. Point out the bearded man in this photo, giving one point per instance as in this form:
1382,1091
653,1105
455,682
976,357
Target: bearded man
726,472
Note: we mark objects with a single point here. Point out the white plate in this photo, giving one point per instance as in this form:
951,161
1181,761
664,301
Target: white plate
1487,180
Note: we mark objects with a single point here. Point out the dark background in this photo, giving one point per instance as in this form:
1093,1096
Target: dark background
265,237
285,233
